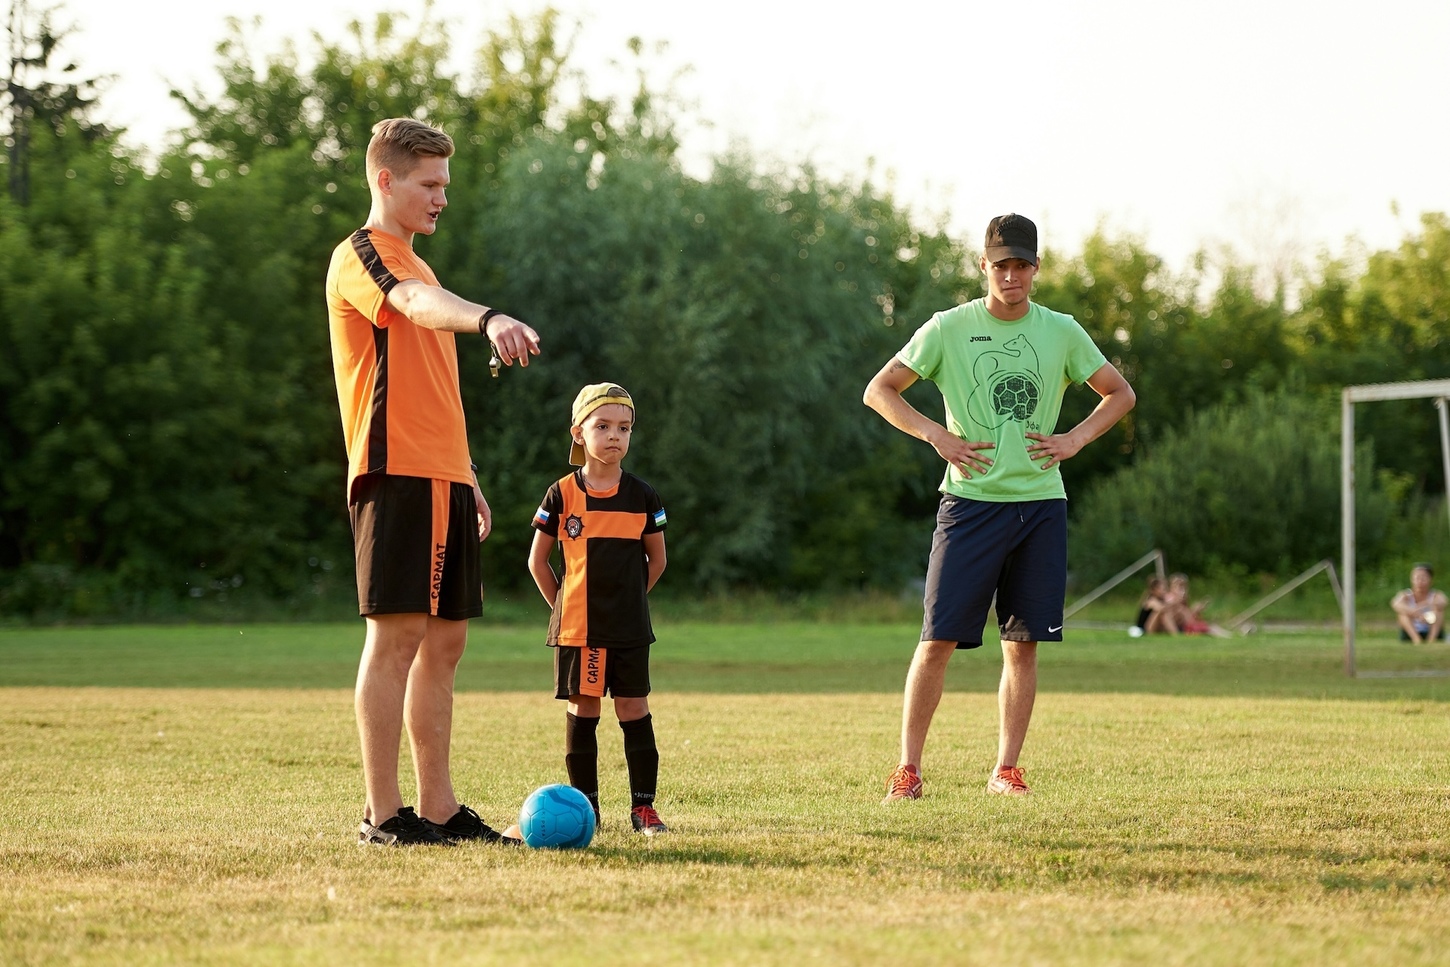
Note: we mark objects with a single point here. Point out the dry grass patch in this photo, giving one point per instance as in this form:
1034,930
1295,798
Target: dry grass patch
214,826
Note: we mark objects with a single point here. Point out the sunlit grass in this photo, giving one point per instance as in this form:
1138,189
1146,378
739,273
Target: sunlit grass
215,826
1172,821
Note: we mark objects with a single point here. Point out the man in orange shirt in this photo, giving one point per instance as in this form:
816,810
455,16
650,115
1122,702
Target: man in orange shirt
413,497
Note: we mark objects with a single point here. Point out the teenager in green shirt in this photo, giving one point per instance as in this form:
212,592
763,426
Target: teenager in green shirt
1002,364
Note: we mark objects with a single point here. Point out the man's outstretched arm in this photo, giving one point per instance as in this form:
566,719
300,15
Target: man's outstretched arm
436,308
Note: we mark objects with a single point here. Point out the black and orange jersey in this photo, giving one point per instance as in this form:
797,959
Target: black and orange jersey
397,382
603,597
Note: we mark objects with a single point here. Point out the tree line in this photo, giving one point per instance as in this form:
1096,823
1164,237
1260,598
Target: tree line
169,428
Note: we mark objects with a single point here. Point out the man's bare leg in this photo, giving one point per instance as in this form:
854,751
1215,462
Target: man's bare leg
429,714
382,678
924,682
1015,698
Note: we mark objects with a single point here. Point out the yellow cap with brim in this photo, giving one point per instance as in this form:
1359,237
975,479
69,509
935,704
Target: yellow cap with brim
591,398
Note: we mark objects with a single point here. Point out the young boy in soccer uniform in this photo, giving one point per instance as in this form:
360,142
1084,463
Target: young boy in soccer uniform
610,528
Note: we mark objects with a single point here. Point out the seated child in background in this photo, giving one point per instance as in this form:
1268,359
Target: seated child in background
1153,615
1420,609
1189,618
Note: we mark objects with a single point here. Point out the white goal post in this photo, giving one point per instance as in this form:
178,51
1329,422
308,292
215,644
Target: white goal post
1439,391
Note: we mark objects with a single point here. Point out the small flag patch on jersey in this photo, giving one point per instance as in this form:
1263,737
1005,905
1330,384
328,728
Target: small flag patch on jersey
660,517
541,516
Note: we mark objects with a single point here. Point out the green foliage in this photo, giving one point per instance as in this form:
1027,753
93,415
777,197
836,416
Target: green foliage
168,427
744,314
1251,487
148,432
39,94
1389,322
1179,351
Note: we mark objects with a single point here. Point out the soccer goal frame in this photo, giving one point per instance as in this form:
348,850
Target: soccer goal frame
1433,389
1240,622
1154,557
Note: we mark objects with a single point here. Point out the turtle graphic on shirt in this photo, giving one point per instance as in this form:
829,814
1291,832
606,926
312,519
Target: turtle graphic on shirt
1014,386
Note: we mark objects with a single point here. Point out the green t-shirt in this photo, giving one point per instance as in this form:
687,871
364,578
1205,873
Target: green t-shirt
1000,381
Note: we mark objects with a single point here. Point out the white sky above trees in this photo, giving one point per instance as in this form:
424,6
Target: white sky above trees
1277,128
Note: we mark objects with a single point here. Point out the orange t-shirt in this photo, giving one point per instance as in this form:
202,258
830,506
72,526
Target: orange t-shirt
397,382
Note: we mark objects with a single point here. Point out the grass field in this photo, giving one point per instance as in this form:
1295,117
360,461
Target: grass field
188,794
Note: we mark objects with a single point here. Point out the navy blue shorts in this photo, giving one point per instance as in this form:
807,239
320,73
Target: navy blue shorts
1016,551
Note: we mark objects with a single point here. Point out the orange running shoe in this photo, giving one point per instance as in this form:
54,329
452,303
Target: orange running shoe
1008,782
905,783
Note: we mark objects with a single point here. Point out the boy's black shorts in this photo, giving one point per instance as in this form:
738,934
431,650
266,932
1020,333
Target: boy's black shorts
622,672
416,542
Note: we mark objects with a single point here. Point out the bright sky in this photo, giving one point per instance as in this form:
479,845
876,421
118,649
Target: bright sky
1279,127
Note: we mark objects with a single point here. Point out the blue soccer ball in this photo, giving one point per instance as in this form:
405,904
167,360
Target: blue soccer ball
557,817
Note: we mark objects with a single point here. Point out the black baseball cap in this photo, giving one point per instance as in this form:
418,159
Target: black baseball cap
1011,237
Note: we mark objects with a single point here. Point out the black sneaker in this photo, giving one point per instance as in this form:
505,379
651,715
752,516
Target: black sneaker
404,829
466,825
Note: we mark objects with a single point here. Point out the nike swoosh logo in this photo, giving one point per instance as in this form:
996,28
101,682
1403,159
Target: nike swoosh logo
1053,631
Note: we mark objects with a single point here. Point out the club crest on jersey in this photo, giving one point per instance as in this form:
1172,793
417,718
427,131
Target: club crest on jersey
574,526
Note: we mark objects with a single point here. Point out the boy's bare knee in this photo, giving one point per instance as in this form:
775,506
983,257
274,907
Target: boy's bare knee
584,706
631,709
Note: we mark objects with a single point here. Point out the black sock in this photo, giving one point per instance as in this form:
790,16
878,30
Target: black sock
581,756
643,759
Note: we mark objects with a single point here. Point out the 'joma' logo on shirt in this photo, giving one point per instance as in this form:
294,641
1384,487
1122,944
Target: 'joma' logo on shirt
981,339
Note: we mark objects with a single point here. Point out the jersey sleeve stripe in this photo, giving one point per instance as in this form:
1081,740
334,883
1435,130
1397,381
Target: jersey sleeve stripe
377,455
362,244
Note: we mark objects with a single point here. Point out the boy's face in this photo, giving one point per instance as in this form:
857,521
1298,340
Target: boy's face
415,200
1010,280
605,433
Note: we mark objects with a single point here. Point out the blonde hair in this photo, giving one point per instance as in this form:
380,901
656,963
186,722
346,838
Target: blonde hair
398,143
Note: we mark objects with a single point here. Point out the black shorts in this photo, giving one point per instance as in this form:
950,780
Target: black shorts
1440,635
622,672
1016,551
416,542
